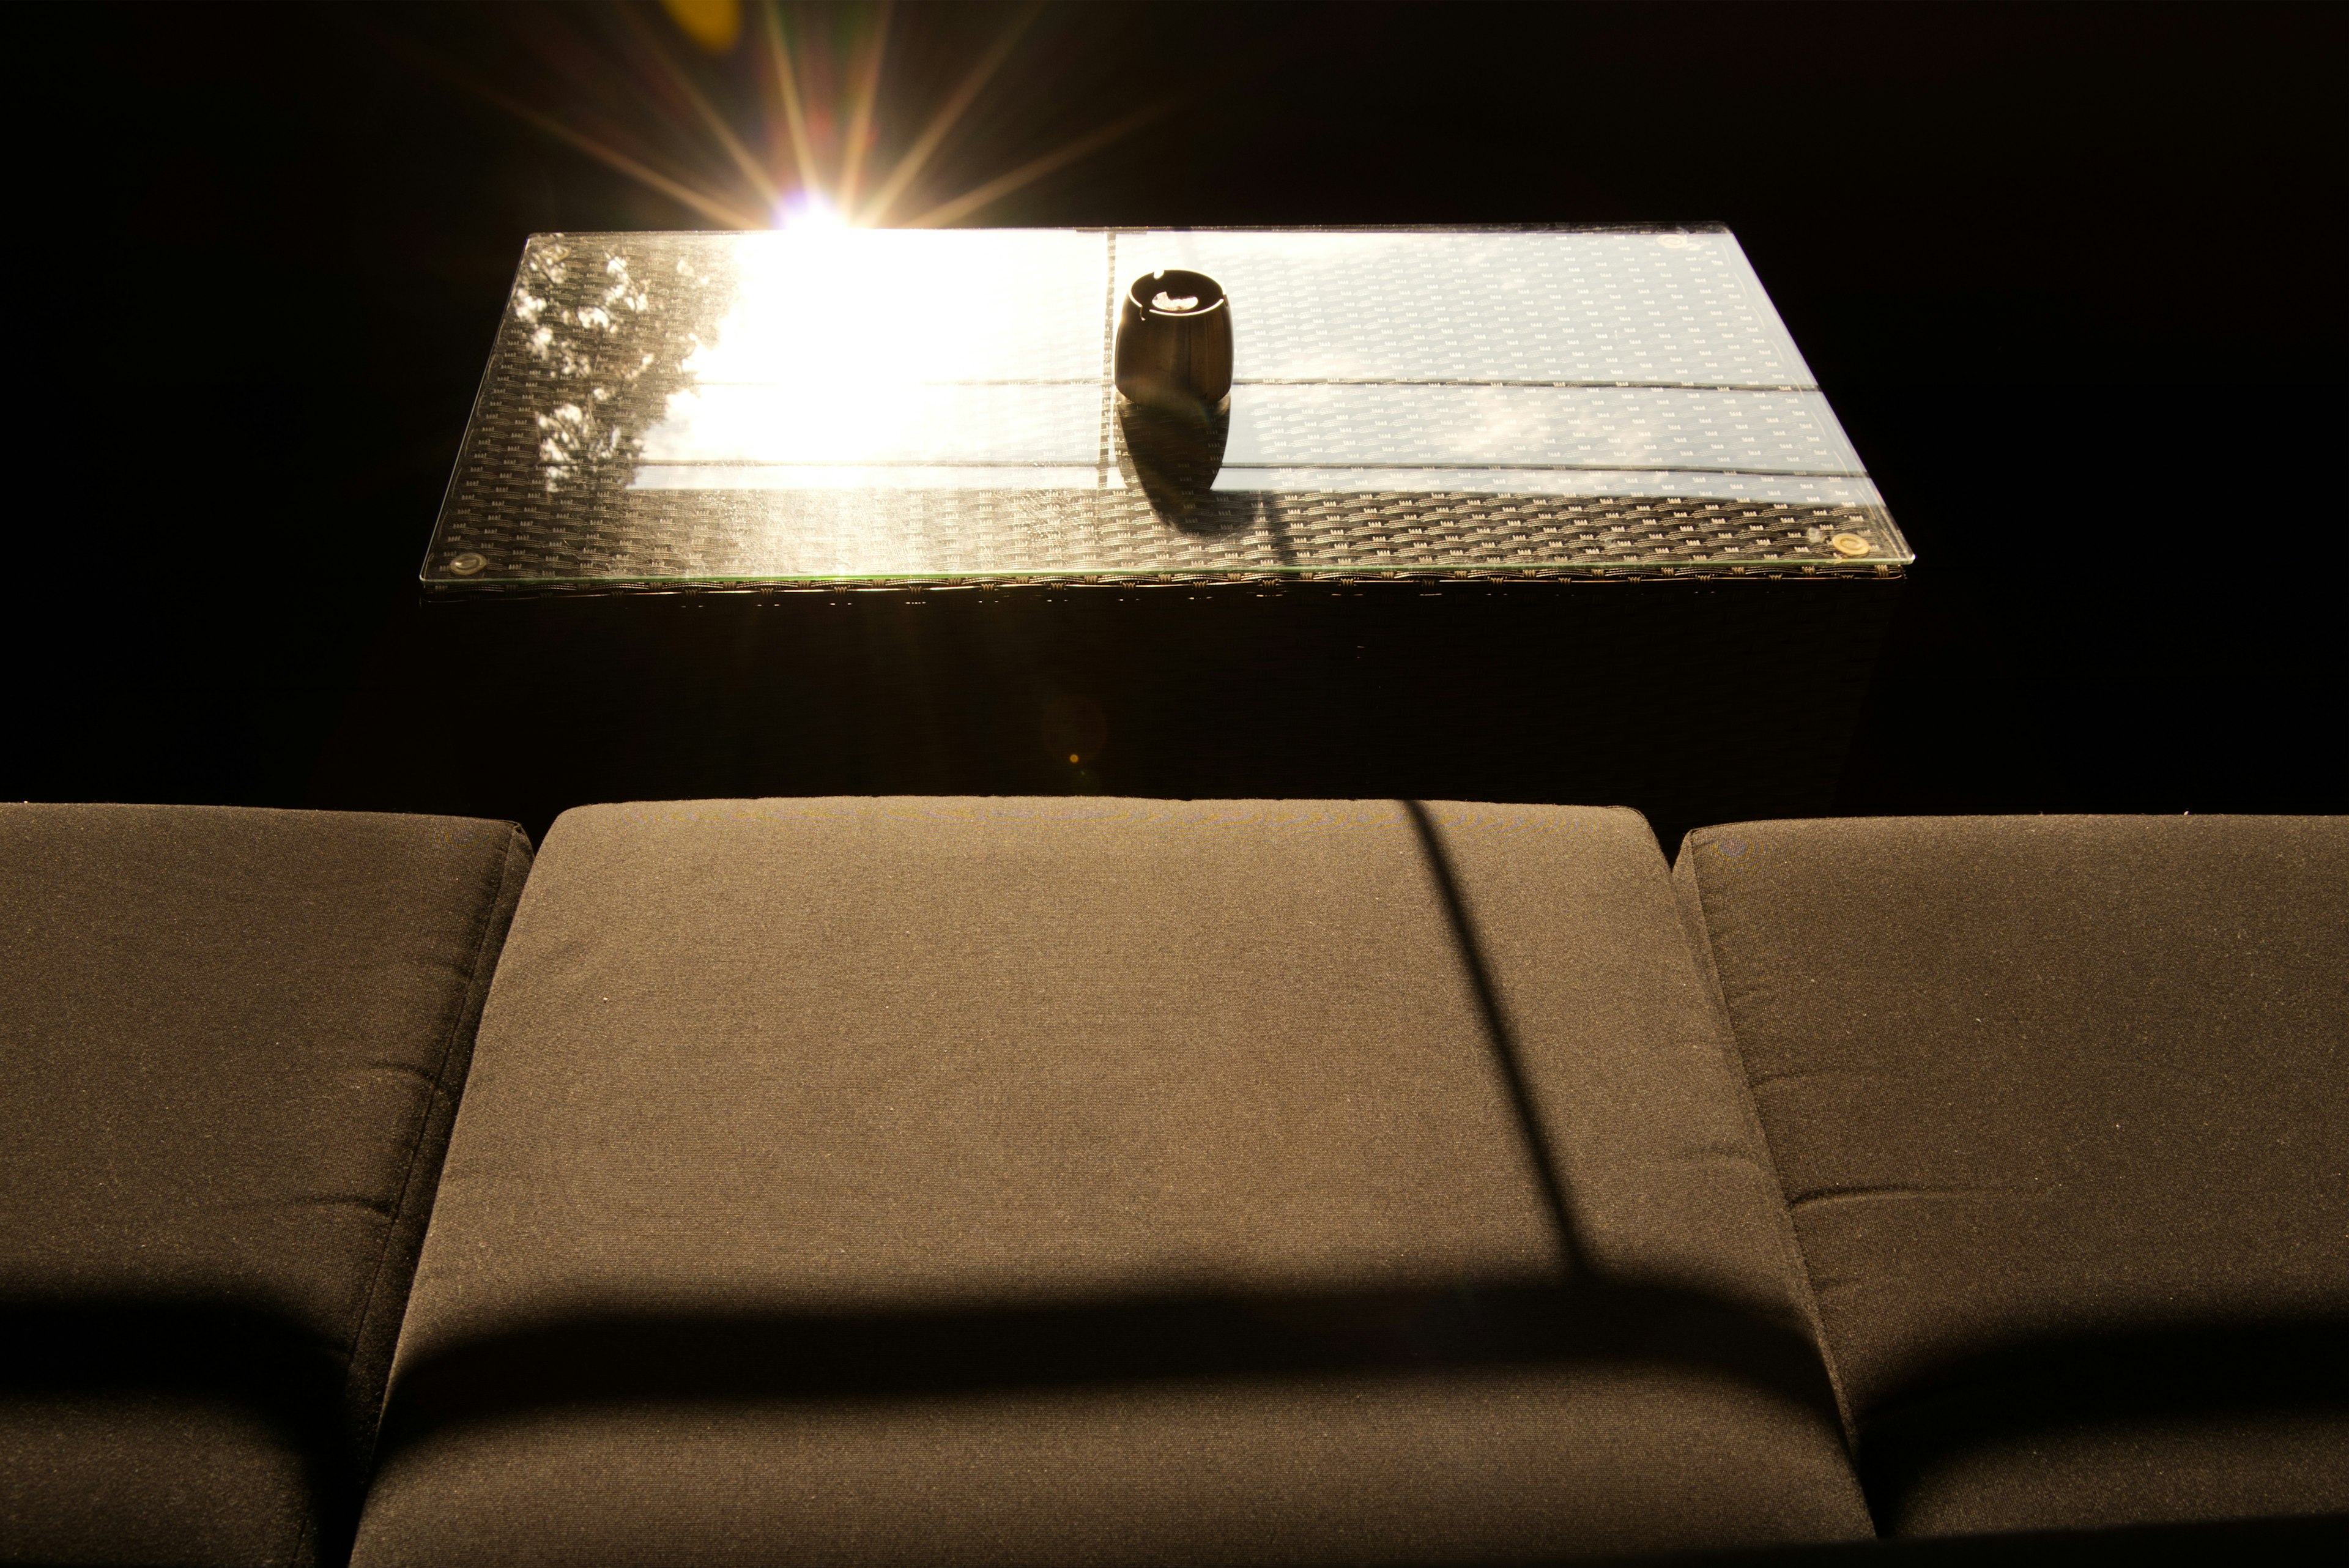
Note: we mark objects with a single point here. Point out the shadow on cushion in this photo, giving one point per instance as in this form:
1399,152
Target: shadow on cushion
712,1356
2117,1427
192,1432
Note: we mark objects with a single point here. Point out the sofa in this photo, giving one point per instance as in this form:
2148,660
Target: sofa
984,1181
234,1042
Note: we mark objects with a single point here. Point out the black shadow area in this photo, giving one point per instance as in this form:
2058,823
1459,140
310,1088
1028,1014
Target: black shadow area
2102,1385
1693,701
2320,1539
104,1350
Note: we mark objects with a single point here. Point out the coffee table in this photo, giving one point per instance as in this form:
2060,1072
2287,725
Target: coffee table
1540,515
934,408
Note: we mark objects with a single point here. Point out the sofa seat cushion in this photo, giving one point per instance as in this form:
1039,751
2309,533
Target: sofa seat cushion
2061,1109
233,1041
1101,1181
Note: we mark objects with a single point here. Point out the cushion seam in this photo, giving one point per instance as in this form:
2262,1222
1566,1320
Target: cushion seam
1790,1238
465,1008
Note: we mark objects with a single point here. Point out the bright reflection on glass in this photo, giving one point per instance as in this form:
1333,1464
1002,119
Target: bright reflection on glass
848,346
831,401
961,359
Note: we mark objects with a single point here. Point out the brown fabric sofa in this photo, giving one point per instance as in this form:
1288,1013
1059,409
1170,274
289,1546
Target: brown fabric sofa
2061,1106
234,1041
1142,1181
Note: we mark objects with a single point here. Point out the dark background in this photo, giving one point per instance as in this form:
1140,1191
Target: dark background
2073,277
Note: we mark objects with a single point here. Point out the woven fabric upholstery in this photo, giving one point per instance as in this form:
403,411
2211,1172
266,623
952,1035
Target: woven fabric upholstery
233,1041
1101,1181
2061,1110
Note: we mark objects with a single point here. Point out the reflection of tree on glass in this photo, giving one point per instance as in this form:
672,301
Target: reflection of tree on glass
610,348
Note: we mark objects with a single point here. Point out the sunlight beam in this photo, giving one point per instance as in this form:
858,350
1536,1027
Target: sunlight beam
675,189
787,87
644,174
945,212
761,180
918,155
865,93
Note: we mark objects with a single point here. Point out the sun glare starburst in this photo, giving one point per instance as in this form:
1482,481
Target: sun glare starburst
757,117
810,211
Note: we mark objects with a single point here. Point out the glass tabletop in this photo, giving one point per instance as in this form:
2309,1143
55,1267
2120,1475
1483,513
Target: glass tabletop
936,406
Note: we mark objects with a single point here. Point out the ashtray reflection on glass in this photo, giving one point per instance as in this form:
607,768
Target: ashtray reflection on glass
1173,369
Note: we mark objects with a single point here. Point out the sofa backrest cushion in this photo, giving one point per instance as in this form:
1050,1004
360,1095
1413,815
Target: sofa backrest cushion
1102,1180
2061,1105
234,1041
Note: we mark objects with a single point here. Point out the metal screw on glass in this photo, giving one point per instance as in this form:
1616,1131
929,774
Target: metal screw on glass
467,564
1849,544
